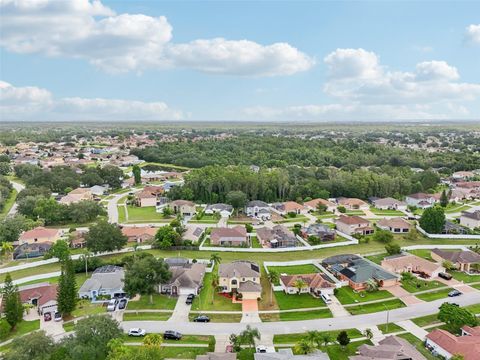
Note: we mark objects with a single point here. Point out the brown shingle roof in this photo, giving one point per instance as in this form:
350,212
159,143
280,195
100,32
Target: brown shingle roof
468,346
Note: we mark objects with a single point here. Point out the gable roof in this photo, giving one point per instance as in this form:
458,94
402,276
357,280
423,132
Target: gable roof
104,277
461,256
187,275
237,231
42,292
39,232
139,231
468,346
390,348
394,223
352,220
314,203
314,281
405,260
239,268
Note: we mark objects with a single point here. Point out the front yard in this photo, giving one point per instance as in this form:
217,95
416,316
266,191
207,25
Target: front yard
346,295
219,318
23,327
146,316
375,307
386,212
434,295
294,338
160,301
297,301
86,308
144,214
416,285
204,300
297,315
466,278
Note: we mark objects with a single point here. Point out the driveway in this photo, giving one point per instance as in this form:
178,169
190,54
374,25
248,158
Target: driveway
250,311
181,311
337,308
402,294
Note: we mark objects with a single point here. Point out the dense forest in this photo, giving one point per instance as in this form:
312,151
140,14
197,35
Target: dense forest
271,151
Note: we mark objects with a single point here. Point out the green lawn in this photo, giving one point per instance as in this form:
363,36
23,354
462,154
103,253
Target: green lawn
294,270
416,285
346,295
68,326
412,339
456,208
246,354
326,215
338,352
294,338
423,253
146,316
297,301
375,307
144,214
377,259
219,318
160,301
298,218
255,242
23,327
434,295
297,315
204,300
386,212
466,278
426,320
477,286
474,308
172,352
8,203
85,308
392,328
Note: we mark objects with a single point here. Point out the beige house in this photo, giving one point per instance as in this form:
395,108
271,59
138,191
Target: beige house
461,259
77,195
313,204
413,264
351,225
236,236
353,204
242,277
470,219
40,235
183,207
395,225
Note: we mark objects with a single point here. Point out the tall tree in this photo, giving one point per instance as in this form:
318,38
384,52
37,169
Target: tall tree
60,250
12,308
67,288
433,220
137,174
237,199
304,346
443,199
104,236
33,346
455,317
249,335
343,338
273,278
216,259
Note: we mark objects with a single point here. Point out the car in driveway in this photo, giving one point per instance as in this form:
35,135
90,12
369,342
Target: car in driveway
47,316
122,304
172,335
57,316
445,276
261,349
112,305
136,332
201,318
454,293
189,300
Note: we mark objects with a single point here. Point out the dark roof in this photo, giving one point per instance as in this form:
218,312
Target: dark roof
472,215
361,270
463,257
340,259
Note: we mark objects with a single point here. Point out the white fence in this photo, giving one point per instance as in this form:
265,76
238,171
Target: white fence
448,236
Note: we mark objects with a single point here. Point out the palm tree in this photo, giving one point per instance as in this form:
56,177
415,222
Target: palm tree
368,334
371,285
304,346
299,284
215,282
249,335
273,278
326,338
6,248
153,340
314,337
216,259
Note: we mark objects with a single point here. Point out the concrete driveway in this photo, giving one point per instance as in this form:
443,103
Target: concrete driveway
250,311
181,311
402,294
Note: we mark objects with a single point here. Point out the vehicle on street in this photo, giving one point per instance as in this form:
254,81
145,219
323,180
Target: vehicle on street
445,276
122,304
112,305
454,293
57,317
47,316
172,335
201,318
190,298
136,332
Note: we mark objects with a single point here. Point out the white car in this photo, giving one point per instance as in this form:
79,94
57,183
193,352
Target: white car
136,332
112,305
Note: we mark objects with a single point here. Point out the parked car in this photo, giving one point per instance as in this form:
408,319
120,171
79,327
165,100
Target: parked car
122,304
189,300
454,293
57,317
201,318
172,335
445,276
112,305
326,298
261,349
47,316
136,332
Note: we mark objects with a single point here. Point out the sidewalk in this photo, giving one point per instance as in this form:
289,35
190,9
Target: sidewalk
413,329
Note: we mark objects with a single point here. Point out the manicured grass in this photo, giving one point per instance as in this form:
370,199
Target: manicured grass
85,308
346,295
208,293
68,326
160,301
412,339
474,308
298,315
219,318
386,212
294,270
392,328
326,215
375,307
466,278
144,214
477,286
246,354
172,352
23,327
297,301
192,339
354,212
377,259
426,320
456,208
423,253
416,285
434,295
146,316
339,352
255,242
294,338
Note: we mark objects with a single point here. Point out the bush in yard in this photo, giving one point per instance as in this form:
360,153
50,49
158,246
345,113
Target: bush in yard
448,265
4,329
343,338
393,249
383,236
211,344
249,228
342,209
433,220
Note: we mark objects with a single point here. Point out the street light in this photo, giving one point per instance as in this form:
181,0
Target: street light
386,328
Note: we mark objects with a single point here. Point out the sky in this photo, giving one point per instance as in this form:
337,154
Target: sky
95,60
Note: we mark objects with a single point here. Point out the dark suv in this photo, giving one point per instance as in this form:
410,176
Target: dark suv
172,335
201,318
189,300
445,276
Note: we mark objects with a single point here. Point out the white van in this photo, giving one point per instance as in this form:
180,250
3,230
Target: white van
326,298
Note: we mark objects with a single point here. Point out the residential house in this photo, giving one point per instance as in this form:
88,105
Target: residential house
315,284
394,225
277,237
442,343
357,271
470,219
193,233
240,276
312,205
287,354
139,234
453,228
462,175
321,231
390,348
352,225
420,200
77,195
224,210
353,204
288,207
98,190
43,296
463,260
149,196
183,207
236,236
389,204
40,235
407,262
106,280
28,251
187,278
217,356
258,210
78,239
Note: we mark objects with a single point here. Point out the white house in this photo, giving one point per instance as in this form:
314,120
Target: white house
106,280
258,210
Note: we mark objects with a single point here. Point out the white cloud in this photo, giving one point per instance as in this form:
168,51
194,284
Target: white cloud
473,34
33,103
133,42
353,63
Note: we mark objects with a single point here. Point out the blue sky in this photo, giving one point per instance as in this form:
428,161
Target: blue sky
183,60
